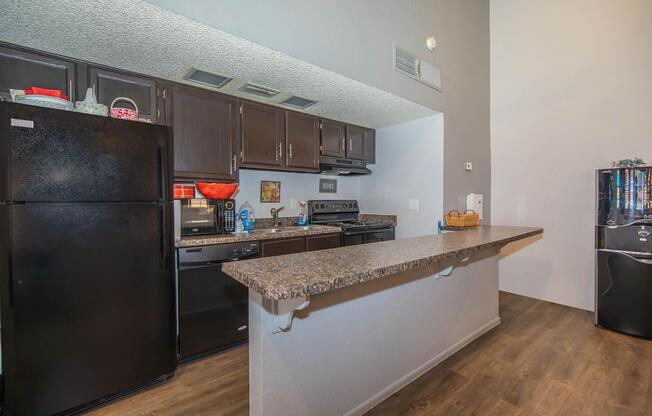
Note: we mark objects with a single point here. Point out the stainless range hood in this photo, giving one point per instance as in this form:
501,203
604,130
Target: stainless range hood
335,166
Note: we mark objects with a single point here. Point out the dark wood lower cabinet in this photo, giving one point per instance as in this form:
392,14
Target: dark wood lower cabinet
322,242
280,246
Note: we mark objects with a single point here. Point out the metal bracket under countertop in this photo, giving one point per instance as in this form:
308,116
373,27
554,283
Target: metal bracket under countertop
284,310
448,270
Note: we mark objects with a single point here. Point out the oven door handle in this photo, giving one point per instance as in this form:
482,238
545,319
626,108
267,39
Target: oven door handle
381,230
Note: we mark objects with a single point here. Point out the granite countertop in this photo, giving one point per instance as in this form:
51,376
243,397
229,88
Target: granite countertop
309,273
291,231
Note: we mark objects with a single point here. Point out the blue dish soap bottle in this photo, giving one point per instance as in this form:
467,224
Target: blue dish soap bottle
247,216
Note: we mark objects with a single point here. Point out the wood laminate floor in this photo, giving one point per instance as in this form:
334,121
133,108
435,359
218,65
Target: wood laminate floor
544,359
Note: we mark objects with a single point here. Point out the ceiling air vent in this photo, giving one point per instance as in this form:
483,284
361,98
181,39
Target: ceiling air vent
257,89
206,78
409,64
298,102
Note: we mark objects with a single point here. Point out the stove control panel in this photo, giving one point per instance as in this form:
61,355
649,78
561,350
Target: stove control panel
332,206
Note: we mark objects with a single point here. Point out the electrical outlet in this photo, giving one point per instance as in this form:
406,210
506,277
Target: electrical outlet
413,204
468,166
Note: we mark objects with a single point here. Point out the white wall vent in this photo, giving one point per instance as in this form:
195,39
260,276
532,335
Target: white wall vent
298,102
207,78
409,64
257,89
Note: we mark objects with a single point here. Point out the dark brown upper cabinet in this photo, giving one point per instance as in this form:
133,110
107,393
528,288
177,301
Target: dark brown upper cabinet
109,85
263,136
21,70
205,127
333,138
355,142
370,146
302,141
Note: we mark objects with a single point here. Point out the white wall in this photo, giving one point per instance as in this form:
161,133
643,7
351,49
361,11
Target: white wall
571,90
353,347
409,165
300,186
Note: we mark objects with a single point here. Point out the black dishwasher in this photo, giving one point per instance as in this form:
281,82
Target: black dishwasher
213,307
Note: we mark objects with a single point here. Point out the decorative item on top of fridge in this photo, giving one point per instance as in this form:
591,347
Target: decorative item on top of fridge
124,113
91,106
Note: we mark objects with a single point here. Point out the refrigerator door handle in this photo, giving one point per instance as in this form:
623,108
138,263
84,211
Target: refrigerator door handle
162,172
164,236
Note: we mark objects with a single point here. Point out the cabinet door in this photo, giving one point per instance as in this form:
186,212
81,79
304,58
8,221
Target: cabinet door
333,139
302,141
355,142
109,85
322,242
21,70
263,135
205,127
282,246
370,146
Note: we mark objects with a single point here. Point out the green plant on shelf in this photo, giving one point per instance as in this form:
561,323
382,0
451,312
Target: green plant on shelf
628,163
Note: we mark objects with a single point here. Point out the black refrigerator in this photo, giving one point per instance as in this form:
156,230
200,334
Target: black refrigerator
86,271
624,250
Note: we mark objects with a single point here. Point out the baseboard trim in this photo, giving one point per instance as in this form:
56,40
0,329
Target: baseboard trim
419,371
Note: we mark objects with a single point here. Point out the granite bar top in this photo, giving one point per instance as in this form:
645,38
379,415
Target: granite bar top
392,219
310,273
260,234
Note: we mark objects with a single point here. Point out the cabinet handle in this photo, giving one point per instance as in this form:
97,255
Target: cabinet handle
350,145
290,151
70,90
343,144
233,165
280,151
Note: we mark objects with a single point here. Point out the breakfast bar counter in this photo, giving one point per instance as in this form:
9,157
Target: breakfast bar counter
310,273
334,332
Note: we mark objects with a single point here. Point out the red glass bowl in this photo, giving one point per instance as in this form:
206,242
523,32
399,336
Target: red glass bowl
218,190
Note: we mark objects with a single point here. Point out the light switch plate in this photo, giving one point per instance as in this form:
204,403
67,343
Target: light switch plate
413,204
294,204
468,166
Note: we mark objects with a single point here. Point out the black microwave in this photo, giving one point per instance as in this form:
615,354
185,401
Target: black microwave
207,216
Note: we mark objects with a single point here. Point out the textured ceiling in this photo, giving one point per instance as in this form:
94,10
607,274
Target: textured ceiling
138,36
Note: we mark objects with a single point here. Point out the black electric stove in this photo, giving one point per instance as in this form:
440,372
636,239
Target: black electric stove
344,214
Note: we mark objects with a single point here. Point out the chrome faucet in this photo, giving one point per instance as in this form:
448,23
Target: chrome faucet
274,212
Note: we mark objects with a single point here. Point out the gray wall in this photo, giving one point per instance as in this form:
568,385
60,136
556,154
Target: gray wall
354,38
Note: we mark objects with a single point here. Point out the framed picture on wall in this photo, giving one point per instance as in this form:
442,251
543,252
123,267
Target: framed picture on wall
270,191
